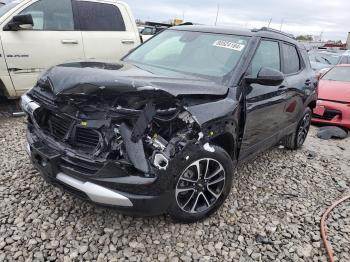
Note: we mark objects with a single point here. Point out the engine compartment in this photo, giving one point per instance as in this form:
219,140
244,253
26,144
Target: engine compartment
143,130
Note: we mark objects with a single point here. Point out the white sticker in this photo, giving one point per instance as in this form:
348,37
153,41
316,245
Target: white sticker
229,45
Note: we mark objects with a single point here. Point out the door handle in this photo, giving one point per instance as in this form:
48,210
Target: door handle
69,41
308,82
128,41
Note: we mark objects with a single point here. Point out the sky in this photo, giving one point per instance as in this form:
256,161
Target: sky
332,17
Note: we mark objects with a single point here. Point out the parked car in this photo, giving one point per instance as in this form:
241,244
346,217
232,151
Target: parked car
149,31
333,105
324,60
36,35
163,130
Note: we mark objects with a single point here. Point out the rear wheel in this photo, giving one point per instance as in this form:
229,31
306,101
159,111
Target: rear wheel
297,139
202,184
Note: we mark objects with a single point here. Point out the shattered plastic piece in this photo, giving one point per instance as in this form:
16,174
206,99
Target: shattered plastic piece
208,147
135,151
142,122
327,132
160,161
187,157
200,136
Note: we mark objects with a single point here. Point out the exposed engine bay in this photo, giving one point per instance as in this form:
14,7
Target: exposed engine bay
143,129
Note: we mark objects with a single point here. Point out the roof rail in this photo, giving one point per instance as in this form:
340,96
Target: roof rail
273,31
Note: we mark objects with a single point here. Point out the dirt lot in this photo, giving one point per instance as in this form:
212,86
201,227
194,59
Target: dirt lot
272,213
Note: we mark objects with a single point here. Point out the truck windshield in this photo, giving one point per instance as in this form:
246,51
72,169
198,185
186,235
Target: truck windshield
7,7
206,55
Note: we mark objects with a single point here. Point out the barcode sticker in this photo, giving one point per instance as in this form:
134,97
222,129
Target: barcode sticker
229,45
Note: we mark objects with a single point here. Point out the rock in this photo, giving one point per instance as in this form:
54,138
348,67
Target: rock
305,251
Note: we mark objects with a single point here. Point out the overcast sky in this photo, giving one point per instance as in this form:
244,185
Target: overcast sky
332,17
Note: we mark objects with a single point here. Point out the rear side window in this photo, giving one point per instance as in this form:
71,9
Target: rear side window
291,59
267,55
99,17
345,60
51,15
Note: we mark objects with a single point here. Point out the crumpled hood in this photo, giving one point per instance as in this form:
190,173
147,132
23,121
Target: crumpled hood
84,78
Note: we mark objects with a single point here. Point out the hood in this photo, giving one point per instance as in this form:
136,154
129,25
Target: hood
334,90
84,78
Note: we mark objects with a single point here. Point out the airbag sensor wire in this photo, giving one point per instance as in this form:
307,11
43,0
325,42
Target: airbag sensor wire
323,227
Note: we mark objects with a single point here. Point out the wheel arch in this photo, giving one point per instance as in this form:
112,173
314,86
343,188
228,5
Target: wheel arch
227,142
312,104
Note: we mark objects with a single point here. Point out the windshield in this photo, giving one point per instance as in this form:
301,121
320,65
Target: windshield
338,74
206,55
7,7
325,58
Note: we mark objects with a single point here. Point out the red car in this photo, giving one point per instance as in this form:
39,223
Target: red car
333,104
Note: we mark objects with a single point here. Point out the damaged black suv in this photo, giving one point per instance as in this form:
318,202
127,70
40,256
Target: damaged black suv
163,130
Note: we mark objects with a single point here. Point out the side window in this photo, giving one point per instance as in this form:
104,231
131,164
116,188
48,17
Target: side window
345,60
267,55
99,17
291,59
51,15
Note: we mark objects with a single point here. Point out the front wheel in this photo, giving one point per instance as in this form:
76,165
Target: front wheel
297,139
202,182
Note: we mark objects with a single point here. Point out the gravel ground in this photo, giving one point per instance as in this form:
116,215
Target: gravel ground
272,213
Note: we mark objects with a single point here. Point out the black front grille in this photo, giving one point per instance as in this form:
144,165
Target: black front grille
59,125
78,166
86,137
66,129
328,114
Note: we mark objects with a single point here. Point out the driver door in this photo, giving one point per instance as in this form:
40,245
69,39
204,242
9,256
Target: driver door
264,104
51,41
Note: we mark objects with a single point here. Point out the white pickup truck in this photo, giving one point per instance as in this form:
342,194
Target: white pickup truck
37,34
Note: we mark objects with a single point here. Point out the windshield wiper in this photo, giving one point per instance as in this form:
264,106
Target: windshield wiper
325,59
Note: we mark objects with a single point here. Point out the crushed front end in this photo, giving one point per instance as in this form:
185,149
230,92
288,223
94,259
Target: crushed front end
110,149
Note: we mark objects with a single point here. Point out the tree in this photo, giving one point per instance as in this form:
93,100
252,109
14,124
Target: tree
305,38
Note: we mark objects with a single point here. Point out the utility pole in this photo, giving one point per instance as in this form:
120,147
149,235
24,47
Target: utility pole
268,25
217,14
281,24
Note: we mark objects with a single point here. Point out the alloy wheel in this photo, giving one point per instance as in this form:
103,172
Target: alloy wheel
304,129
200,185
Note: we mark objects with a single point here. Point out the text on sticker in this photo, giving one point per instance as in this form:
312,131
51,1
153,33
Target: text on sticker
229,45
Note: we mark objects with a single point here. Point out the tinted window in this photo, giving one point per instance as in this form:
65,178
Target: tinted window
99,17
338,74
149,31
267,55
51,15
291,59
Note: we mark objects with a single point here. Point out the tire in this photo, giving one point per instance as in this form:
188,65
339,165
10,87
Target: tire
195,198
296,140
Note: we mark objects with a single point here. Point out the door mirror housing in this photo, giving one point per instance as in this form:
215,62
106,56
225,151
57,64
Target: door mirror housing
19,22
267,76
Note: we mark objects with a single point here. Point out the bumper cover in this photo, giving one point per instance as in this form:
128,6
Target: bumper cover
100,181
332,113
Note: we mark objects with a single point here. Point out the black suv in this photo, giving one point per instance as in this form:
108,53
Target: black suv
163,130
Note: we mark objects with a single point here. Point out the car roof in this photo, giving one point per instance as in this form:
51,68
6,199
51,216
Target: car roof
263,32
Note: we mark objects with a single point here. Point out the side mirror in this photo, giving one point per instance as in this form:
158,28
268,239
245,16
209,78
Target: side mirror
267,76
19,22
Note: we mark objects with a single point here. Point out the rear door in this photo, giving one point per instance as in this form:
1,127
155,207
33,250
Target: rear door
107,28
264,104
51,41
298,79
